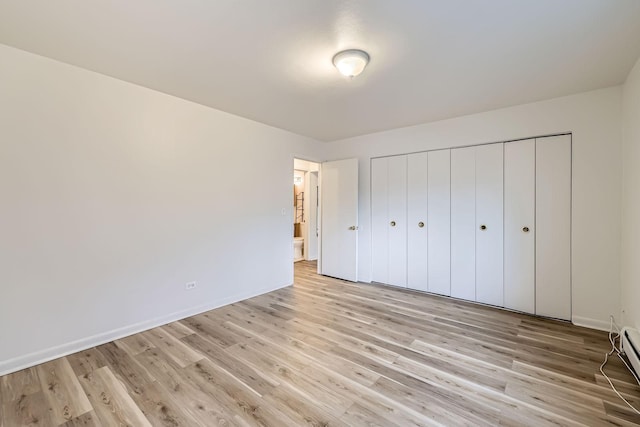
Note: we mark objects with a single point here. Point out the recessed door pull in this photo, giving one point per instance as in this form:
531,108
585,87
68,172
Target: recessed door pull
483,227
525,229
421,224
353,227
393,223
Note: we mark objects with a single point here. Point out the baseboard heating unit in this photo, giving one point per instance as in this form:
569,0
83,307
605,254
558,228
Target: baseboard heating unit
630,339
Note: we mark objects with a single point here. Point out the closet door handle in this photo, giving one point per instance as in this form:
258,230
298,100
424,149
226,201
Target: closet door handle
525,229
421,224
483,227
392,223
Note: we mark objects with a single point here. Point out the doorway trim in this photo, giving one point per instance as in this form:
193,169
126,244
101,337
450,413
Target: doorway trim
306,158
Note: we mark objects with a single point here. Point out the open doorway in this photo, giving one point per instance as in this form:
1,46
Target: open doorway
306,227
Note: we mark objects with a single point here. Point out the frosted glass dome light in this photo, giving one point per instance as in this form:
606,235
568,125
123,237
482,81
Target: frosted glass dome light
351,62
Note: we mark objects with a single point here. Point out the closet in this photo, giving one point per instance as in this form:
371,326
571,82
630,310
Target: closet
553,221
537,216
488,223
438,223
389,219
489,228
476,227
463,223
519,230
418,207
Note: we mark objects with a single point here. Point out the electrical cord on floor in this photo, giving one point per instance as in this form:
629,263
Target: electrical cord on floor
614,349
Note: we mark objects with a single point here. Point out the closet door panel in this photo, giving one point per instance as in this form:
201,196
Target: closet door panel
417,203
553,227
463,223
380,220
489,224
519,221
397,192
439,222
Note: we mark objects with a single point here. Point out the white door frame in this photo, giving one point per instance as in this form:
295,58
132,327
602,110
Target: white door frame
312,206
319,218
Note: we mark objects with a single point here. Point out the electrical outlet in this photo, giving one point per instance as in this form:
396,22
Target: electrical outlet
189,286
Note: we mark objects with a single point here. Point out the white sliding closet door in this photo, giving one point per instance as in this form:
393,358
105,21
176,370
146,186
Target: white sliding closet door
553,227
439,222
417,202
380,220
397,221
463,223
489,224
519,220
389,220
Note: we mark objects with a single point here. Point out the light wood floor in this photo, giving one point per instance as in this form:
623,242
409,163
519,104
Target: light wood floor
326,352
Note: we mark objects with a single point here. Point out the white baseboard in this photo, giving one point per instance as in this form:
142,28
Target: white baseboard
601,325
45,355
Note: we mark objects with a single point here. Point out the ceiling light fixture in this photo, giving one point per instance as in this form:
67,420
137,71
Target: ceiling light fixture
351,62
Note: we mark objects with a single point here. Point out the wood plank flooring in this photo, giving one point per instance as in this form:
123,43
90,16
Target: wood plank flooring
326,352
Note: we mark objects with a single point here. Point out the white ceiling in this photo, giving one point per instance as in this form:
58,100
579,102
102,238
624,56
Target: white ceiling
270,60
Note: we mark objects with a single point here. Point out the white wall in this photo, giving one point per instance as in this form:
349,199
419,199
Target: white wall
113,196
631,199
594,118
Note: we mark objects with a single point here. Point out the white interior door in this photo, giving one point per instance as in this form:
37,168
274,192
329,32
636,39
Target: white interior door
553,227
417,204
463,223
439,221
519,222
398,221
339,235
489,224
311,242
380,220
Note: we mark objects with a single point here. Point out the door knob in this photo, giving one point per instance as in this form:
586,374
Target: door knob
525,229
421,224
393,223
483,227
353,227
